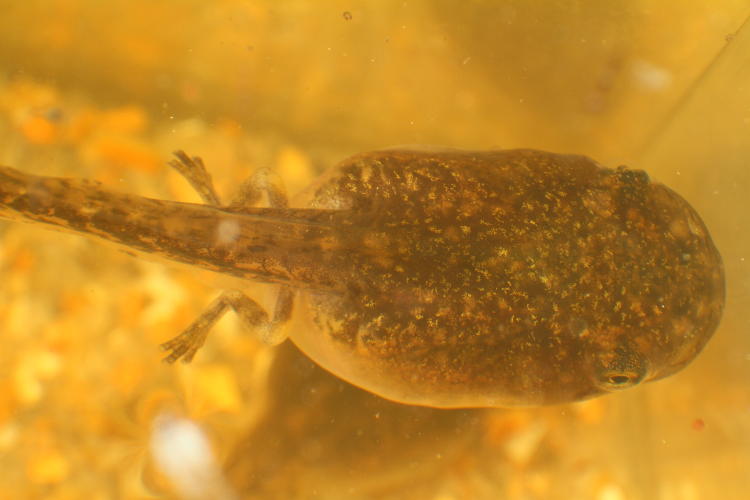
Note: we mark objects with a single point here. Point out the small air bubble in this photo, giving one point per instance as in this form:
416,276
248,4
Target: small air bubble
182,452
227,231
650,76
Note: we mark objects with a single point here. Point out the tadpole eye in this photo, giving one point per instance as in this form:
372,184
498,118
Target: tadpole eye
621,371
620,380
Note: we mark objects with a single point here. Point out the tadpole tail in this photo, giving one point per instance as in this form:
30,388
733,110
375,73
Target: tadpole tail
264,244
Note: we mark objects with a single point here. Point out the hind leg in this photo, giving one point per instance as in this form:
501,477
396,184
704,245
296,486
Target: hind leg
252,314
194,171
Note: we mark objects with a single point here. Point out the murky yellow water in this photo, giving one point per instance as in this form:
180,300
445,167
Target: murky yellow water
106,90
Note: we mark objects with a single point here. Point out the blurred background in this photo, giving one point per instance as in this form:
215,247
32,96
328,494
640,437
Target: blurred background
107,90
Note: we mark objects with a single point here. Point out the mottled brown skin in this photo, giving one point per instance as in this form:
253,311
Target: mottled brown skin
510,278
449,279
